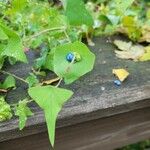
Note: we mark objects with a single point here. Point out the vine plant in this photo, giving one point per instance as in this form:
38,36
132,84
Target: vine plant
26,24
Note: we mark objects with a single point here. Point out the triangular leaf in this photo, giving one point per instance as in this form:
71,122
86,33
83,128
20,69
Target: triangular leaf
51,100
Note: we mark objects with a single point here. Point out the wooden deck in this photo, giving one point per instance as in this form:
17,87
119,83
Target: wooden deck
100,115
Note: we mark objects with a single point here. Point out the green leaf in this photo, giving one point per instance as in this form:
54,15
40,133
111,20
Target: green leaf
14,47
122,6
2,46
23,111
39,62
132,27
62,67
77,13
8,83
3,36
32,80
19,5
51,100
49,61
5,110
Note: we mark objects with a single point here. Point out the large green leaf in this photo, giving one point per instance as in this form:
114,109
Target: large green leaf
77,13
14,47
72,72
51,100
23,111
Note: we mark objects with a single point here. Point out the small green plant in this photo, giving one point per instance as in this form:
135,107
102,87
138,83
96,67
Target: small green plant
58,32
29,24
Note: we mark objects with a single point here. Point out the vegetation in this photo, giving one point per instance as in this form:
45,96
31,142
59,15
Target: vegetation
57,31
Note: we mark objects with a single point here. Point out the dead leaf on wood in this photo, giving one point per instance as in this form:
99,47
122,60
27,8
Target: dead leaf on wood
145,34
127,50
48,82
122,74
124,46
146,55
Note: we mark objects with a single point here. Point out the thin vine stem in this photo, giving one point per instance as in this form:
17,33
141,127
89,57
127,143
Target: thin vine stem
67,36
19,78
43,32
73,60
15,104
59,82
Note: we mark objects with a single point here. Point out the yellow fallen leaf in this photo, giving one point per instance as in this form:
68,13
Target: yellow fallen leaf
122,74
146,55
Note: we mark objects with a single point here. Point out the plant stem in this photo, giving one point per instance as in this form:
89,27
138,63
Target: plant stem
15,104
43,32
66,34
19,78
59,82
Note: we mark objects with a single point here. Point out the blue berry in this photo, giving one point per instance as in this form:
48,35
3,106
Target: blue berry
69,57
117,82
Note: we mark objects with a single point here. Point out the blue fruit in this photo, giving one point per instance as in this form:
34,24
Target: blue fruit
69,57
117,82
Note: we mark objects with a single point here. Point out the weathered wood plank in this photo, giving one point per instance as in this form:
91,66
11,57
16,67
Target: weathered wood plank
101,134
90,101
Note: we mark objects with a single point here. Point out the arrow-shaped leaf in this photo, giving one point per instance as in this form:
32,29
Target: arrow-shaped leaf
51,100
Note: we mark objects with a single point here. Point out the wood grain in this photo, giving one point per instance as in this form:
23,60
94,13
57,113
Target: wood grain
101,134
89,102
